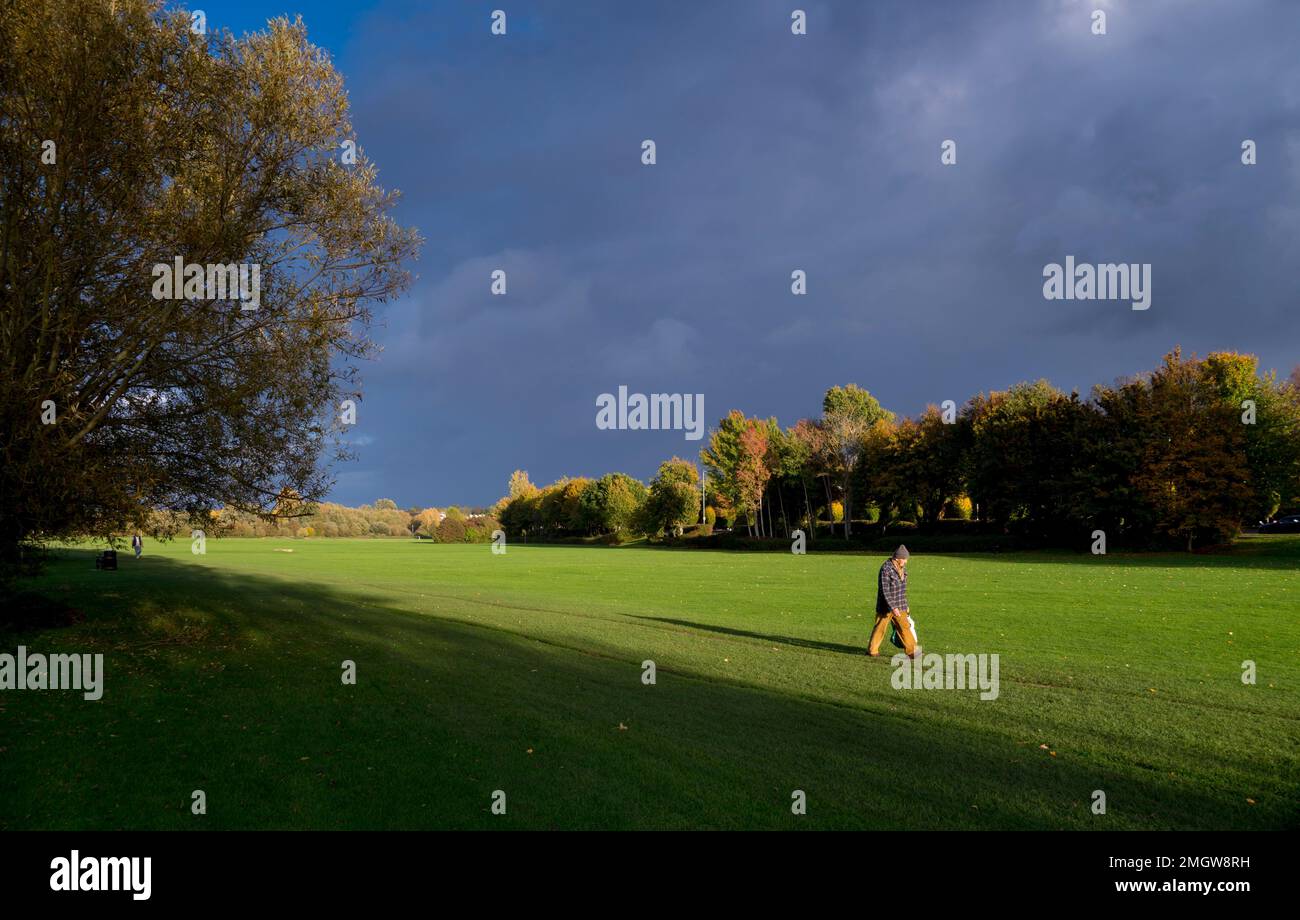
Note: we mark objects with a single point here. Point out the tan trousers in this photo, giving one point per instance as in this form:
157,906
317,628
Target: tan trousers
902,623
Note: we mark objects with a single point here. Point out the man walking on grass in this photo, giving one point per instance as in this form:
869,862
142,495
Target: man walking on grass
891,605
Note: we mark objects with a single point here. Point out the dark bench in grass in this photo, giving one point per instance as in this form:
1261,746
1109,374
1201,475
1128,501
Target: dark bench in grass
107,560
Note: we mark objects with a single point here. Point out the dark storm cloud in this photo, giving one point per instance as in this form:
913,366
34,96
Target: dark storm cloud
820,152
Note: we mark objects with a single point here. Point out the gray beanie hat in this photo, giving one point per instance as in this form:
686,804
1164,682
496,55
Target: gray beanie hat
901,552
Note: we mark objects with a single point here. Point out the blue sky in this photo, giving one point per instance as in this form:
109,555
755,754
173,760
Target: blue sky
779,152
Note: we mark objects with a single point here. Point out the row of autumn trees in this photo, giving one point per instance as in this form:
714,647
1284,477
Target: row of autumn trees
1184,455
295,518
615,505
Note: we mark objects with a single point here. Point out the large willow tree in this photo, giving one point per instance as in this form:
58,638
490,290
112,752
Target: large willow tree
129,139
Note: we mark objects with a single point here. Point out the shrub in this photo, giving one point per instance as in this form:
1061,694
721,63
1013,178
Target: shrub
958,509
451,530
479,530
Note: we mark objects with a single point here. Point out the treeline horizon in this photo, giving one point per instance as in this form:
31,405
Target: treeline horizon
1183,455
294,517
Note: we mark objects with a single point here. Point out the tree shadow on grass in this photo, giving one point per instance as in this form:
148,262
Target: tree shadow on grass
1275,551
230,683
1271,552
859,650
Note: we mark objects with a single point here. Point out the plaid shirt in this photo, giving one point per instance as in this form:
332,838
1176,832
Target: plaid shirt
891,593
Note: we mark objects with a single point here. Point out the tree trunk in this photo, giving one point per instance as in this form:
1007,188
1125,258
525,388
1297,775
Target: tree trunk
807,510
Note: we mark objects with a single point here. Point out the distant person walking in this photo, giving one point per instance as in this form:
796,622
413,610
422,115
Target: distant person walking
137,544
891,605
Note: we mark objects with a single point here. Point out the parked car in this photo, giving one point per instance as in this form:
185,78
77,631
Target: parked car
1286,524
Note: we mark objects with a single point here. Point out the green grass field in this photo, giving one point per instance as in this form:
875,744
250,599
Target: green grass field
522,673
